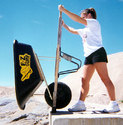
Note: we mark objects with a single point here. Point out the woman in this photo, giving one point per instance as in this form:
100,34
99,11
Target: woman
95,56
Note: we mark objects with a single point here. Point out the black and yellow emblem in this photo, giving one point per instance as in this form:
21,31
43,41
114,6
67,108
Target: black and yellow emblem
26,70
27,77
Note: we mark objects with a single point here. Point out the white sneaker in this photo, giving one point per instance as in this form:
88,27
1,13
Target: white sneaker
79,106
112,107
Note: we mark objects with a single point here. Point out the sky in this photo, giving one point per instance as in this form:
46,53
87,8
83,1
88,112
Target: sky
35,22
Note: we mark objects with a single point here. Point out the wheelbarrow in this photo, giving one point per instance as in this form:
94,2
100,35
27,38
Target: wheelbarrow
29,74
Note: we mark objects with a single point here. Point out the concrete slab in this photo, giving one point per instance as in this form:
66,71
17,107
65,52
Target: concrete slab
85,118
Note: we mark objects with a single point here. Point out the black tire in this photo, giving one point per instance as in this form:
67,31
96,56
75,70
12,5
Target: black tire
63,95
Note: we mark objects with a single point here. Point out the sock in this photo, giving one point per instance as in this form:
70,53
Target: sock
113,102
81,102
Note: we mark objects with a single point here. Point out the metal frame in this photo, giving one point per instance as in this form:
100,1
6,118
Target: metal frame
57,62
67,57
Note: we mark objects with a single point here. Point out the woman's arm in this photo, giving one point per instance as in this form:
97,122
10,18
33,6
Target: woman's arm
70,29
72,15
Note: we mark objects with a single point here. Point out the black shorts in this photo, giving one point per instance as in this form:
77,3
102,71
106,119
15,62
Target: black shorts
97,56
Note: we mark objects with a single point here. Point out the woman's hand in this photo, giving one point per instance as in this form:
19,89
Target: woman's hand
63,24
61,8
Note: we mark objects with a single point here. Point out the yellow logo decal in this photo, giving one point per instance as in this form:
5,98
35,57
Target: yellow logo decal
26,70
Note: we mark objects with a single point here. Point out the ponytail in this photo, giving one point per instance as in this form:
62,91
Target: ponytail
93,13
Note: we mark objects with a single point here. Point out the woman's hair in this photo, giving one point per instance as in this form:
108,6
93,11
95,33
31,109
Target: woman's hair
91,11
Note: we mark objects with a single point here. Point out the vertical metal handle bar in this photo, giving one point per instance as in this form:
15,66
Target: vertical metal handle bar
57,62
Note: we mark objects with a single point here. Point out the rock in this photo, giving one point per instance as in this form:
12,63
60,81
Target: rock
35,113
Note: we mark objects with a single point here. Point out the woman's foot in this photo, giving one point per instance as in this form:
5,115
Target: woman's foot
112,107
79,106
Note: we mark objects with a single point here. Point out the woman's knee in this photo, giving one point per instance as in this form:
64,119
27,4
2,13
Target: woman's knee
108,82
105,80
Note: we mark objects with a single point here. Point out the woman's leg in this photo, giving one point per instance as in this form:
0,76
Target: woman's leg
88,71
101,68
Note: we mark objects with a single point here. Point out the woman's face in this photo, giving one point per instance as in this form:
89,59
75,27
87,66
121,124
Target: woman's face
84,15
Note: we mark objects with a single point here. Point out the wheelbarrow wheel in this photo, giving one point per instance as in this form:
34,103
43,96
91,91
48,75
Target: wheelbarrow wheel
63,95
